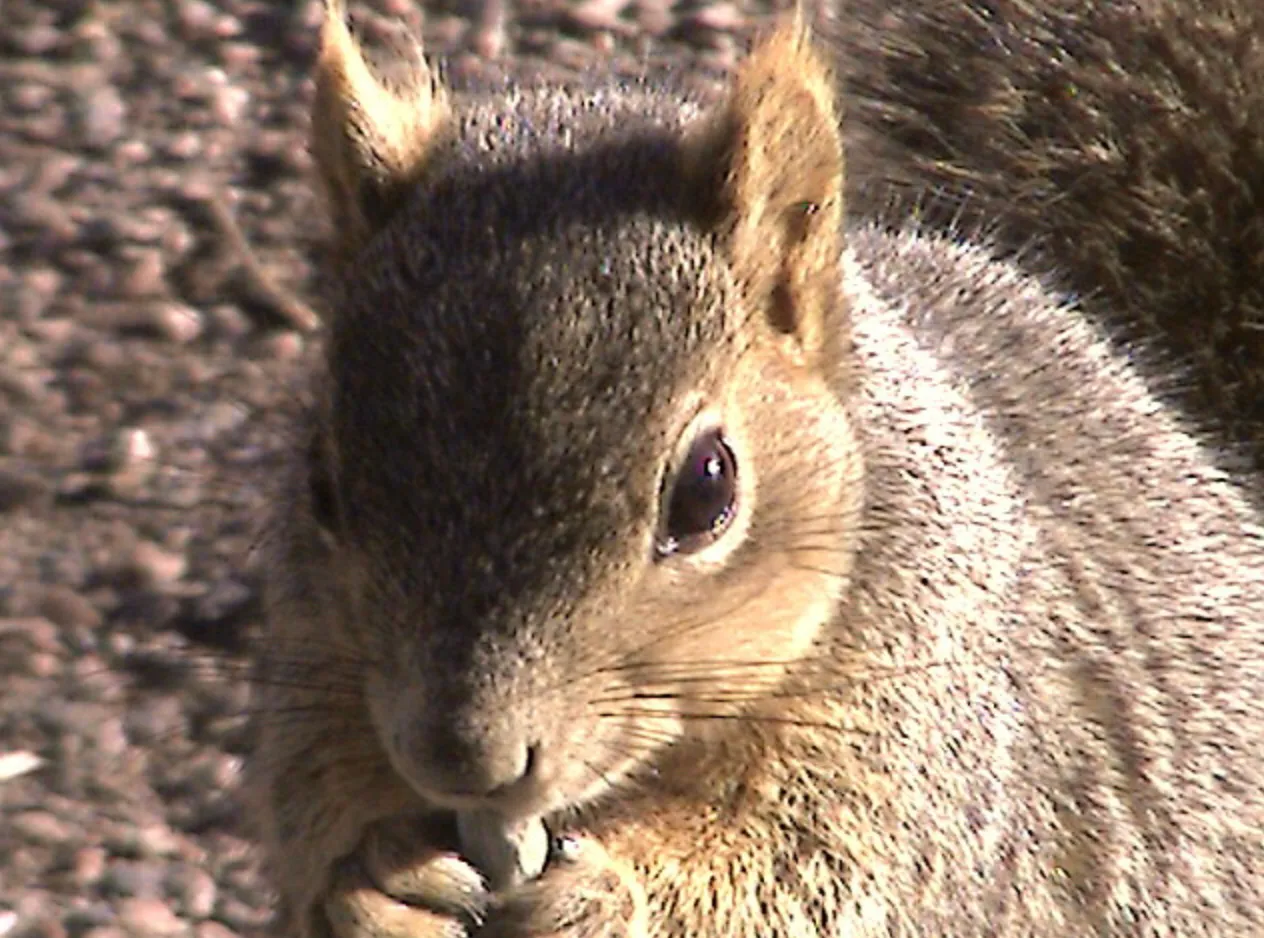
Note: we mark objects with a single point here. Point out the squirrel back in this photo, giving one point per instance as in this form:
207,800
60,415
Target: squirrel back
821,579
1116,147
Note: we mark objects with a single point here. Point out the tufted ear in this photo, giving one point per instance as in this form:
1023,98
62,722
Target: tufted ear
768,167
370,140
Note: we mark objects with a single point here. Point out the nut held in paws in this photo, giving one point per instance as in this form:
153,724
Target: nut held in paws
507,854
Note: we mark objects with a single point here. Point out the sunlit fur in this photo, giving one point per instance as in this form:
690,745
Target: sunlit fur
981,655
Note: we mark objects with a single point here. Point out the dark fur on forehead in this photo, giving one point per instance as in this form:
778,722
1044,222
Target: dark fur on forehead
498,341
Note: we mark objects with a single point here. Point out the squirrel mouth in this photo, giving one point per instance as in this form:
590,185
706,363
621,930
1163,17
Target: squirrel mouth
510,802
531,794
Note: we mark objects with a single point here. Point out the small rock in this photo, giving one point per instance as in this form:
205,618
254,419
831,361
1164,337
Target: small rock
110,738
39,287
39,39
121,644
175,322
102,116
31,907
229,103
144,276
22,490
150,918
26,97
157,840
49,927
132,480
55,223
150,31
717,17
54,171
229,322
157,718
15,764
98,681
132,153
21,437
130,447
189,84
53,331
88,866
41,827
597,14
284,346
215,772
129,878
195,889
184,146
42,665
76,487
100,39
27,386
154,566
238,56
213,930
197,19
154,607
87,391
223,417
68,609
35,632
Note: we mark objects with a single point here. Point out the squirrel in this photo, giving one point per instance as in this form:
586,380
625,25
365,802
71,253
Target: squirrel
669,553
1116,148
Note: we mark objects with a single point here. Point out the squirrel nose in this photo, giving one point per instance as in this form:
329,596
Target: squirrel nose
476,762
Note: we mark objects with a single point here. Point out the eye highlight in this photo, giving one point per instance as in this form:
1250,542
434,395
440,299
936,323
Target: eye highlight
703,498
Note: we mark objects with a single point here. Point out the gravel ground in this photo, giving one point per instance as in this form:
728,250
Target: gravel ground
147,365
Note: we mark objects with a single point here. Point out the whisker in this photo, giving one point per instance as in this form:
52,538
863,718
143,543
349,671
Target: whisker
750,718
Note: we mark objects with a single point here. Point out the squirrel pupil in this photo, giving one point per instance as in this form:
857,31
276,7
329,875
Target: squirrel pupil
703,496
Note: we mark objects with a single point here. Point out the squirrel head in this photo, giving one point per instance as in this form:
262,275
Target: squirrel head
584,470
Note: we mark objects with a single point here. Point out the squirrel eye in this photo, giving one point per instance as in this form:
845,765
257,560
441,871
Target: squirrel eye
703,496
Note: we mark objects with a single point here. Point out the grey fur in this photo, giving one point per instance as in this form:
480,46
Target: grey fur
981,654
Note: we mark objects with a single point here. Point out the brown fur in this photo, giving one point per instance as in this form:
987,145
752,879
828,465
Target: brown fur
979,652
1117,146
371,139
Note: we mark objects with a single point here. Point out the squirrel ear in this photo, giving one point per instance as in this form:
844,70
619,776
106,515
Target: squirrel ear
769,167
369,140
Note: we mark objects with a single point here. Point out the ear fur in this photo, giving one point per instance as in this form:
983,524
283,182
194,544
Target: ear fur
770,166
370,141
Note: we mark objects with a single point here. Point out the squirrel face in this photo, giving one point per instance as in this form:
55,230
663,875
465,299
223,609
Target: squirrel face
585,468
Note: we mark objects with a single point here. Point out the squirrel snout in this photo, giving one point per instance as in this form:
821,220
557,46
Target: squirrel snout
459,764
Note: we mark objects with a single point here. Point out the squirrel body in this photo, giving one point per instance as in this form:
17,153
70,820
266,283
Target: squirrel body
811,578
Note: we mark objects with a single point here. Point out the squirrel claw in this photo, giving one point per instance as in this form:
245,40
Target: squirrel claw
583,893
391,888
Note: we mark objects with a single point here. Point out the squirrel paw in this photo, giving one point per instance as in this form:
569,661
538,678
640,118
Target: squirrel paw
583,893
394,888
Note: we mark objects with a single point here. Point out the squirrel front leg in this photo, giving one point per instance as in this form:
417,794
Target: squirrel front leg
586,892
655,868
349,847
